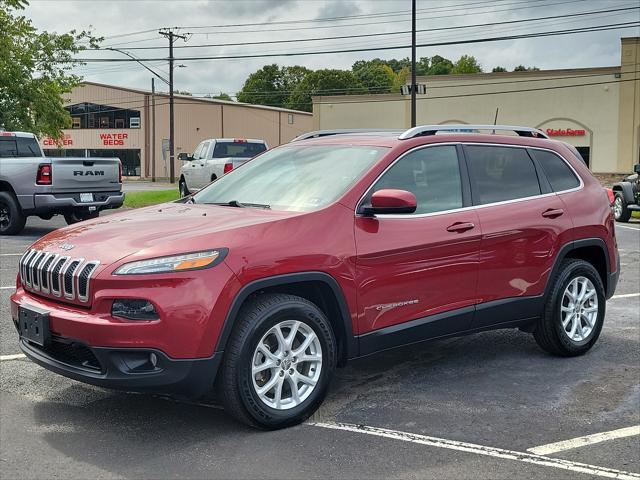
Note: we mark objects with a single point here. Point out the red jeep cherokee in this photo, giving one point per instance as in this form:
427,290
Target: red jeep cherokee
329,248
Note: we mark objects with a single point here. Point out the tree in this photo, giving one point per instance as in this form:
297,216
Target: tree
34,72
466,64
498,69
522,68
272,85
223,96
375,77
323,82
439,66
183,92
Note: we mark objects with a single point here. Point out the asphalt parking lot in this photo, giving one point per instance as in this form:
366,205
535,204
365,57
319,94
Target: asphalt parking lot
491,405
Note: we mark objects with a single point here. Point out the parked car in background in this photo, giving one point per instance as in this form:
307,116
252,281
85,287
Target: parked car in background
213,158
321,251
32,184
627,196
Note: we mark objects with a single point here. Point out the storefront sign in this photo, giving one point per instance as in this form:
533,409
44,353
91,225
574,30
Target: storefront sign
65,141
565,132
114,138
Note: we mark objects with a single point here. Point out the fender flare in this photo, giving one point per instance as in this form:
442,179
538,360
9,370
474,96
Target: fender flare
627,191
344,323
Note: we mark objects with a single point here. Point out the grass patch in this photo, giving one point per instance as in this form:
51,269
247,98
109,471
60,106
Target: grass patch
153,197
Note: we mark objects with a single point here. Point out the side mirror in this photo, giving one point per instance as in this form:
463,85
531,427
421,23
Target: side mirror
184,157
391,201
636,168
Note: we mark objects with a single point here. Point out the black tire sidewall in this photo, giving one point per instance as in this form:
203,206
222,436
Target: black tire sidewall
16,218
625,214
76,217
266,416
573,270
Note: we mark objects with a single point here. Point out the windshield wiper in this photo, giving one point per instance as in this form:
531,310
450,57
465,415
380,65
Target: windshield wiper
237,204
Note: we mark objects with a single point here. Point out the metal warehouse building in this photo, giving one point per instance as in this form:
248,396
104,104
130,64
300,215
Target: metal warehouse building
595,109
110,121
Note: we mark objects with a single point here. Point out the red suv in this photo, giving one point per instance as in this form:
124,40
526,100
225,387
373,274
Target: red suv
320,251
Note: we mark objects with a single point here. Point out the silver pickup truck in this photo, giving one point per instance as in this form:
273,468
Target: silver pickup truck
32,184
213,158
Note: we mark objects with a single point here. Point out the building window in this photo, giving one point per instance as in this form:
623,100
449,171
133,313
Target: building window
119,122
134,122
92,120
75,122
104,122
93,115
290,119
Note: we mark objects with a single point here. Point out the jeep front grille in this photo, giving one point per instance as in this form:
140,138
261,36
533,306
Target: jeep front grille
57,275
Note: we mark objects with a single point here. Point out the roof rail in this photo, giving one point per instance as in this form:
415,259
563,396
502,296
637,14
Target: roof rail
344,131
424,130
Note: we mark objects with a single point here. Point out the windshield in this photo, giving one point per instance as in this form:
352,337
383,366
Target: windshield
238,149
296,178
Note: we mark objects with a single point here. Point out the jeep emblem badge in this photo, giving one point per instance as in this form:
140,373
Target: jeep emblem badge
66,246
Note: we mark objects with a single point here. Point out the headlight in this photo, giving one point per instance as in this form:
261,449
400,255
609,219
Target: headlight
174,263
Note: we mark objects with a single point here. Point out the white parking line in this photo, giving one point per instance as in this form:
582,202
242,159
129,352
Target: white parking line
11,254
7,288
482,450
15,356
626,295
628,228
584,441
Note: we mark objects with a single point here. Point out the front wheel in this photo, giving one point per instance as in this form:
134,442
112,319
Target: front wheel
12,220
182,187
279,361
75,217
575,309
620,210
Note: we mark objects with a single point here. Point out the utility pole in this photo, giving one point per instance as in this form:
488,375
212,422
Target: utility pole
171,36
153,131
413,63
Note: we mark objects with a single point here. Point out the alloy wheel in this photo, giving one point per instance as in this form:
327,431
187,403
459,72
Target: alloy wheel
617,207
5,217
286,365
579,309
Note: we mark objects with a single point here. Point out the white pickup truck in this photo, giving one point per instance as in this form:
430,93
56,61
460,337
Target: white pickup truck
213,158
32,184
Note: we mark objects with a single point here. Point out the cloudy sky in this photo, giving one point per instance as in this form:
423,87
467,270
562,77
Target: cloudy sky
131,24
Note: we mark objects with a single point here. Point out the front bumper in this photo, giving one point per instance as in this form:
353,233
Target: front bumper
129,369
67,201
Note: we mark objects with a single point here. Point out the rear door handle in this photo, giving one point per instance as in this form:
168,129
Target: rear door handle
460,227
553,213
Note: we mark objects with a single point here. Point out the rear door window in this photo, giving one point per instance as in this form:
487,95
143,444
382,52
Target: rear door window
8,147
500,173
19,147
559,174
432,174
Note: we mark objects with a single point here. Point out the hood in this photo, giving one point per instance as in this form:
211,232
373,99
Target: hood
157,231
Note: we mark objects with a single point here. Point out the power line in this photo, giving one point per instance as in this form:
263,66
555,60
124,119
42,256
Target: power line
596,28
380,34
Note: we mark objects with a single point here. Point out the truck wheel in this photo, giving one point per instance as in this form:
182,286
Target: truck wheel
184,191
278,362
75,217
11,218
620,210
573,317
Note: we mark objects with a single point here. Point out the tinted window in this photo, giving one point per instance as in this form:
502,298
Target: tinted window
19,147
557,171
197,153
501,173
238,149
432,174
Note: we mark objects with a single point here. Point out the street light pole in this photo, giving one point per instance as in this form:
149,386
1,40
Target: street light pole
413,63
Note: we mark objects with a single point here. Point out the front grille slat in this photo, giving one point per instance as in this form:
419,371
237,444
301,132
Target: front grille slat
53,274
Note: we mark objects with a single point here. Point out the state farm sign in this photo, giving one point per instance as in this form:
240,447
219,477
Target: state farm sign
565,132
65,141
114,139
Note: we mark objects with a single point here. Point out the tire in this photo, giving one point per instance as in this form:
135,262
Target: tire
75,217
550,334
255,325
12,220
620,210
182,187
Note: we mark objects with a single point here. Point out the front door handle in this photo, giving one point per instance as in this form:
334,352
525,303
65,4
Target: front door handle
553,213
460,227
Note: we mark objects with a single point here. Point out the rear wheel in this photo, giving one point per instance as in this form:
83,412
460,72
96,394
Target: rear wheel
12,220
75,217
574,314
278,362
620,210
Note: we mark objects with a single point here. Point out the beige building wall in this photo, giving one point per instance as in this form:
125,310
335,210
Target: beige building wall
592,100
196,119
